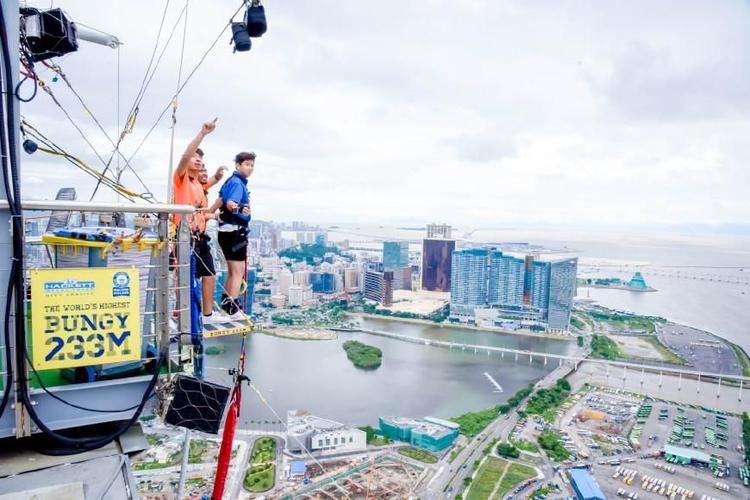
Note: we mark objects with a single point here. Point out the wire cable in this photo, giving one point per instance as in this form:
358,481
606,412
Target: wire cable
187,80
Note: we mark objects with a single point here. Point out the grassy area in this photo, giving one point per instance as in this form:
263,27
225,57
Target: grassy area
417,454
742,358
454,453
525,446
546,401
474,422
373,437
264,450
260,478
577,323
153,439
486,479
668,355
515,475
604,348
362,355
150,465
633,322
197,446
552,444
508,450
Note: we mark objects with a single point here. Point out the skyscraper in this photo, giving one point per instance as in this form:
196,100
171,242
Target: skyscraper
539,285
562,289
395,254
438,231
468,280
436,264
379,286
506,280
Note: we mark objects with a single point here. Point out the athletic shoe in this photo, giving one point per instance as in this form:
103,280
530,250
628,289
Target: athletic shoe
216,317
238,316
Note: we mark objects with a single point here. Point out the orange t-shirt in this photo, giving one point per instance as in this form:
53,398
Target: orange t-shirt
189,191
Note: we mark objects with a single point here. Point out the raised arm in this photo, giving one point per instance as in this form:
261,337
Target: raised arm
206,129
216,177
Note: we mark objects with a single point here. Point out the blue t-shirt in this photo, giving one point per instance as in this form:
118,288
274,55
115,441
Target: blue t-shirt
234,189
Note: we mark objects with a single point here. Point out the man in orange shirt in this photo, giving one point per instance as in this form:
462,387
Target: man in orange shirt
189,190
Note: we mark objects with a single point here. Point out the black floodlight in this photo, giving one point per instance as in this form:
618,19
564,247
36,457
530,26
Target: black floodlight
255,19
48,33
240,37
30,146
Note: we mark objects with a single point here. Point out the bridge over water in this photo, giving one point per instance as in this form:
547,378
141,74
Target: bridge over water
519,355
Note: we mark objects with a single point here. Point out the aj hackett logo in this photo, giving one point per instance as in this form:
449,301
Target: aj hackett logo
69,286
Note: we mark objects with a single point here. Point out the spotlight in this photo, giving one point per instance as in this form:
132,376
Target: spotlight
30,146
255,19
240,37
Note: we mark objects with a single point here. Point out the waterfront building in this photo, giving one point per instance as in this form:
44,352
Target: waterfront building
321,436
436,264
395,254
637,281
562,290
438,231
378,286
468,281
539,285
507,275
284,280
430,433
401,278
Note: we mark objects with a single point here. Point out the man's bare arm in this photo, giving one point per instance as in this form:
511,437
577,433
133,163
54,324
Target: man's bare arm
214,179
206,129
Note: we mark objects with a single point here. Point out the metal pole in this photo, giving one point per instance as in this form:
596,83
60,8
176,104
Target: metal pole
739,396
679,384
184,465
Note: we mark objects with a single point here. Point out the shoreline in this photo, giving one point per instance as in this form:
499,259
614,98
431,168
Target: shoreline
309,334
524,333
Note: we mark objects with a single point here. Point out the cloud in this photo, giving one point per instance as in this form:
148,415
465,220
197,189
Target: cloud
479,113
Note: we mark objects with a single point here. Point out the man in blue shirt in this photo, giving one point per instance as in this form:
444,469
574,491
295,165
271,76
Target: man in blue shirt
234,217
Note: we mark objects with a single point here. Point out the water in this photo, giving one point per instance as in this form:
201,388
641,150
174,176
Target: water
414,380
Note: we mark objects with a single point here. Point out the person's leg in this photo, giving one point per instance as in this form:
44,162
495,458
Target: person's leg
234,280
208,287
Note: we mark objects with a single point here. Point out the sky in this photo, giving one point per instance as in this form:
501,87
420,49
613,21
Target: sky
476,113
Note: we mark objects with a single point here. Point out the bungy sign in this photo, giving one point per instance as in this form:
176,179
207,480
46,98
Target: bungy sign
83,317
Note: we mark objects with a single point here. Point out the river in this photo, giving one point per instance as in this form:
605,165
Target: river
414,380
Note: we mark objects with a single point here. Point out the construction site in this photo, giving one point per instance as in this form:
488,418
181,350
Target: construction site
381,477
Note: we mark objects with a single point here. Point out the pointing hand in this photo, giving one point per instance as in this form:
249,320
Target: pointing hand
209,127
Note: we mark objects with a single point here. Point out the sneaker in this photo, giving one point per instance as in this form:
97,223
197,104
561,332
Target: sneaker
238,316
216,317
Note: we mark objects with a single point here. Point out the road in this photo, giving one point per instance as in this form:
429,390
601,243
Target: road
450,476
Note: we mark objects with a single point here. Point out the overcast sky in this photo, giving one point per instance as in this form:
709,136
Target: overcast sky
477,113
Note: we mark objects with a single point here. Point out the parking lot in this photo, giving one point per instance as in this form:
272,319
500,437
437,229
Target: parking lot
662,429
602,424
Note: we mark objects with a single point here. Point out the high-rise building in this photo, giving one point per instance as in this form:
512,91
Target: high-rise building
539,285
295,295
506,280
395,254
302,277
351,279
468,280
438,231
562,290
285,281
436,264
379,286
323,282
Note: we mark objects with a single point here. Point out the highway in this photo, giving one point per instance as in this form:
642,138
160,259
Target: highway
450,476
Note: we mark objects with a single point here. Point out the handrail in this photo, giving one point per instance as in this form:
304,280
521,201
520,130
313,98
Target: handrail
95,206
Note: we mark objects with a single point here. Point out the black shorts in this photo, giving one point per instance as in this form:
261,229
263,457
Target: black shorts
234,245
203,259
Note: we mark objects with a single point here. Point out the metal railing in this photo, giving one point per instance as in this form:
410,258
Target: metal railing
167,295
